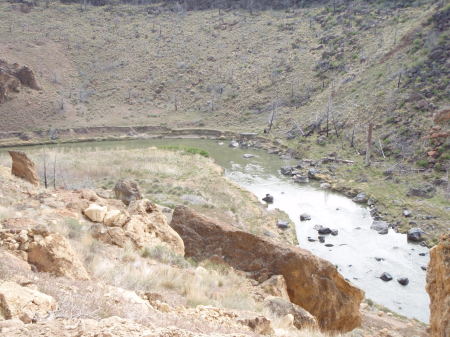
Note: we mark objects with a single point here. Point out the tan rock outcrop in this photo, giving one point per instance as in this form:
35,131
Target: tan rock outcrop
52,253
312,283
23,303
23,167
438,288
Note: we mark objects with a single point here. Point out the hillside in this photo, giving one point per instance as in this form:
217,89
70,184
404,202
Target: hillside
322,68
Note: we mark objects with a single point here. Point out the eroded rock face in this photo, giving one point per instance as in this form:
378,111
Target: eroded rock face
23,167
438,288
276,286
12,76
23,303
312,283
52,253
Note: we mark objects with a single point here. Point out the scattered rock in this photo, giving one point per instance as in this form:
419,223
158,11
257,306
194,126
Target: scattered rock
312,282
334,232
321,238
127,190
301,179
403,281
423,268
325,186
329,245
305,217
282,224
438,287
378,259
407,213
282,307
361,198
95,213
423,191
248,155
26,304
268,198
382,227
234,144
310,239
386,277
286,170
415,234
23,167
259,324
324,230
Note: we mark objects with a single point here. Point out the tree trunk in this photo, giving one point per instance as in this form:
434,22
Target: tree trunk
369,143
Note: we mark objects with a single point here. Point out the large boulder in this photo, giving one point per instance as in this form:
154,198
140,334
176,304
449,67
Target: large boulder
23,303
127,190
52,253
282,307
312,283
438,288
23,167
95,213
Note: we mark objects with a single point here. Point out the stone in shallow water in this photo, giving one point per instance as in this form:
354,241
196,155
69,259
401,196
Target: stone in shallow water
386,277
268,198
382,227
305,217
321,238
415,234
403,281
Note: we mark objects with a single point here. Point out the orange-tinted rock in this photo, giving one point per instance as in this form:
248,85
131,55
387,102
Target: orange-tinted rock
23,167
438,288
312,283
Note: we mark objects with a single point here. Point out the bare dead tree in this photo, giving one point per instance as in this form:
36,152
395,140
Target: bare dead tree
54,172
369,143
45,168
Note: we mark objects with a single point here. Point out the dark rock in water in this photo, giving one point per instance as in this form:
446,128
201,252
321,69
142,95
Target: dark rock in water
321,238
248,155
286,170
379,259
268,198
310,239
357,228
324,231
403,281
423,191
386,277
424,268
301,179
360,198
415,234
312,173
407,213
334,232
329,245
305,217
282,224
422,254
382,227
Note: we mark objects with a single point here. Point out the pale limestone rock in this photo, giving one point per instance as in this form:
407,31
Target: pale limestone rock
95,213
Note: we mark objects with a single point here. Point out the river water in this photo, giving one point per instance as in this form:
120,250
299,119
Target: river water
359,253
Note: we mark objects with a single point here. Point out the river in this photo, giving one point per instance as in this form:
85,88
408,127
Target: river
360,254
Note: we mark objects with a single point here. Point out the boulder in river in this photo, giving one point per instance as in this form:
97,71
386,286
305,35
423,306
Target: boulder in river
334,232
403,281
268,198
321,238
312,283
415,234
382,227
386,277
310,239
305,217
324,230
